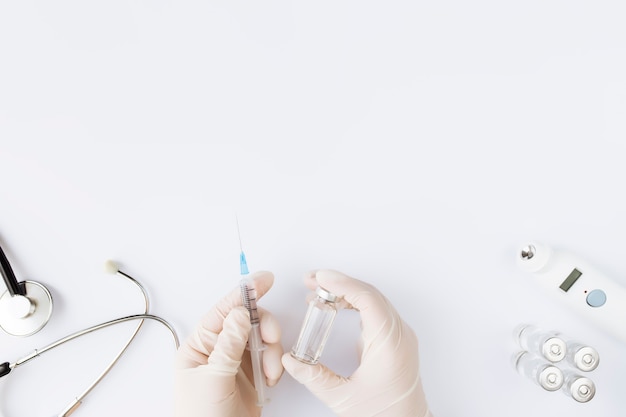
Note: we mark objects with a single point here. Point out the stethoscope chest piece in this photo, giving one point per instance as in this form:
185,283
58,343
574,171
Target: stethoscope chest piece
25,315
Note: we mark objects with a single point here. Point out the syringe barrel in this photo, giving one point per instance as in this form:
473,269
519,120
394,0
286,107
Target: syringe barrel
248,297
256,347
255,342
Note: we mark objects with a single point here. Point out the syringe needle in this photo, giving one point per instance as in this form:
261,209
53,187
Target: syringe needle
243,264
238,232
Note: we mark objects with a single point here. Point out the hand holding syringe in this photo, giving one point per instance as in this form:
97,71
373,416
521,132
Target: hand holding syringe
214,375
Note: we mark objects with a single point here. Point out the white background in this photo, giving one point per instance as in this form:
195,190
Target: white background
412,144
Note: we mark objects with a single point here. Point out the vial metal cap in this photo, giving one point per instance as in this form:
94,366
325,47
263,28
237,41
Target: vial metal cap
582,389
551,378
554,349
586,359
326,295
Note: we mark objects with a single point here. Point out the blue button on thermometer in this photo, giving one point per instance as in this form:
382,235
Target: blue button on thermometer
578,285
596,298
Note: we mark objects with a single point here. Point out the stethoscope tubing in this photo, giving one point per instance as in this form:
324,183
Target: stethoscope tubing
130,340
40,351
8,367
78,400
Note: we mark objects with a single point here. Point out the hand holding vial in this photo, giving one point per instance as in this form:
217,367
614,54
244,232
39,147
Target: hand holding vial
387,382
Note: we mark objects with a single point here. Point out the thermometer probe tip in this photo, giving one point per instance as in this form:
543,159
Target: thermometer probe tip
528,252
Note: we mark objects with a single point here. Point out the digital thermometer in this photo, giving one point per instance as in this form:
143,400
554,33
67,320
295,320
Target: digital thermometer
579,285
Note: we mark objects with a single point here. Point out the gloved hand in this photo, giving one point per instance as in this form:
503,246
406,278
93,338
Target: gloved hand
387,382
213,370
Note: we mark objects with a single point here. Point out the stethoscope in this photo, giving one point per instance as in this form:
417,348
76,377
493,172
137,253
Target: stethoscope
26,307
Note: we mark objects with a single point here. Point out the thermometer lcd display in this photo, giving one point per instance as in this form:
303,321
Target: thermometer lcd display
570,280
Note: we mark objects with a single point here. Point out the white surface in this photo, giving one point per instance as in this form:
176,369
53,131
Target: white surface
414,145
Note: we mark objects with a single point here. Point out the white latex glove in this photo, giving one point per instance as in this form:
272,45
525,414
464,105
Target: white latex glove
387,382
213,371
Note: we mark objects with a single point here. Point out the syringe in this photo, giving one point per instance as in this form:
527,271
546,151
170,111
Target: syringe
255,343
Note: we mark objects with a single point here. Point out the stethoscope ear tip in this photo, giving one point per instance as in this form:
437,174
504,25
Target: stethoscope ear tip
111,267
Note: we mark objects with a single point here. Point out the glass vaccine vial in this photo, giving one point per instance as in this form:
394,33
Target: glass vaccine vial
578,387
316,327
539,370
583,357
540,342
